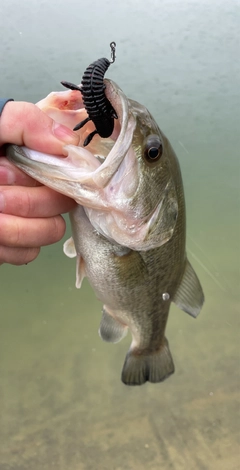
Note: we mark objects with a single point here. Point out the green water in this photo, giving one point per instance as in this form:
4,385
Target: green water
62,404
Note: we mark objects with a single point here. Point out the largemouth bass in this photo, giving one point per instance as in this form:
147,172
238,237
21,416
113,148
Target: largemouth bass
128,230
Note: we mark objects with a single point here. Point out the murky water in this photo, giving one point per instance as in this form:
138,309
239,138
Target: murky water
62,403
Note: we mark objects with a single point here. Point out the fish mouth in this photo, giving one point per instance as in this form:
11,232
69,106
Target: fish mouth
91,168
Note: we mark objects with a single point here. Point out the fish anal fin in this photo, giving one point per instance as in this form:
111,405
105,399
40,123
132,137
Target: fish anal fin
140,367
189,295
110,329
69,248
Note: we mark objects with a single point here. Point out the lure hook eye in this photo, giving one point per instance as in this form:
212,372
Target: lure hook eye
113,51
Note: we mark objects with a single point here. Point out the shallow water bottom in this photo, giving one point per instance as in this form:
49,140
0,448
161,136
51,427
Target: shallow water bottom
63,404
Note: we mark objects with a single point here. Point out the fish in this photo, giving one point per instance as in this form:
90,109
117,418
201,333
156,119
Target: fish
129,225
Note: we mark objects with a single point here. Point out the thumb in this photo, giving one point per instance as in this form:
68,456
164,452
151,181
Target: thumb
23,123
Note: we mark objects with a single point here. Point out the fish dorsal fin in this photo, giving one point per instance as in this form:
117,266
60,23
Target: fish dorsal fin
189,296
69,248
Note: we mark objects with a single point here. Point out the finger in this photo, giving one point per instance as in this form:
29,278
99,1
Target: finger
33,202
32,233
10,174
17,256
25,124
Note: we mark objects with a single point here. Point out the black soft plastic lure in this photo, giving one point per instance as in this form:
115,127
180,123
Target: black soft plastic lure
98,107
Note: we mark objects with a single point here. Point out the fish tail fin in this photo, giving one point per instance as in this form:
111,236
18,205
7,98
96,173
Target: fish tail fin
140,367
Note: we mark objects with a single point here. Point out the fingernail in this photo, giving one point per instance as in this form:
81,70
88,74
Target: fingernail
6,175
65,134
2,202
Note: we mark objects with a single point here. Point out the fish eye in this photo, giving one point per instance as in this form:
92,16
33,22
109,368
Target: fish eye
153,148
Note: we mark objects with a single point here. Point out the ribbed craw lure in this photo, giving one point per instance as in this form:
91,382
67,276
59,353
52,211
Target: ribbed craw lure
98,107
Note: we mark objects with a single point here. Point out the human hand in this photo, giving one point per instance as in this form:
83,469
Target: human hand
29,213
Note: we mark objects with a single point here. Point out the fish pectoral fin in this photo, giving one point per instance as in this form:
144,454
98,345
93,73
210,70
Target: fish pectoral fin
80,271
70,251
189,296
69,248
111,330
140,367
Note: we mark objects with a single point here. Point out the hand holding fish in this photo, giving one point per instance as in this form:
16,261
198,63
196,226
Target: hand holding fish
29,212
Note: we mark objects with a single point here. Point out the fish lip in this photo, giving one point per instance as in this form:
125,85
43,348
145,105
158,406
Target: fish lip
127,121
108,167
